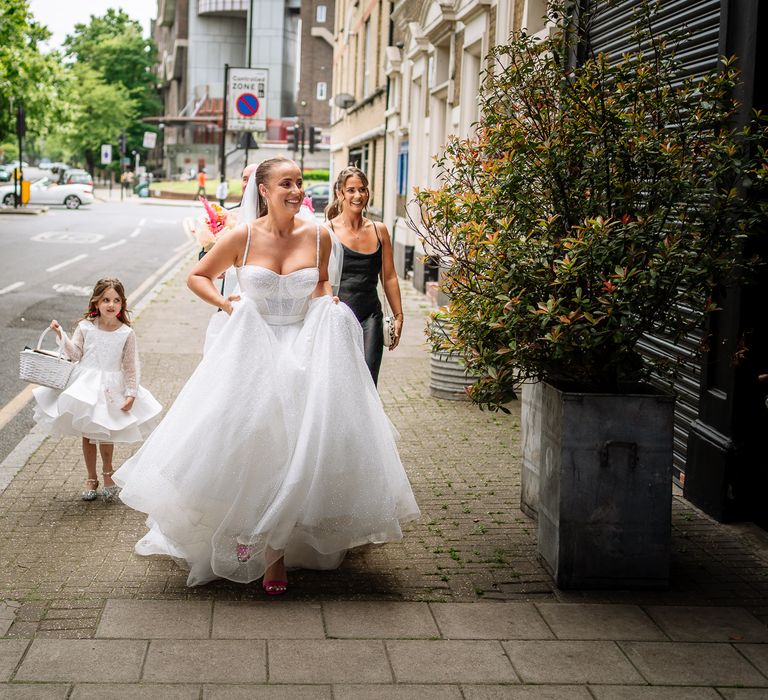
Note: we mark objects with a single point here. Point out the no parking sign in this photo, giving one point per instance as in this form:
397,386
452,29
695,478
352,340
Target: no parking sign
247,99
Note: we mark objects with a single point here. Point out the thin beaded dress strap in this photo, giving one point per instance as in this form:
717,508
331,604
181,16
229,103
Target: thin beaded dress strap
318,245
247,245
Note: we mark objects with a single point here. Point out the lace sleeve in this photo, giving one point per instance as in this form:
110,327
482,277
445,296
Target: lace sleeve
130,365
73,348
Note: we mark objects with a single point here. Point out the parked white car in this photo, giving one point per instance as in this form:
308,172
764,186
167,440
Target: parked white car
45,191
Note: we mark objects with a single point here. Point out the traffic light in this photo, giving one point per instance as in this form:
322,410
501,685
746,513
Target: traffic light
292,138
314,138
121,142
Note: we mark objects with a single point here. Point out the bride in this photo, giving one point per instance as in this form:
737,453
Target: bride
305,466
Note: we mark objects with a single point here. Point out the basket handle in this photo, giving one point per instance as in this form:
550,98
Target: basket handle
40,341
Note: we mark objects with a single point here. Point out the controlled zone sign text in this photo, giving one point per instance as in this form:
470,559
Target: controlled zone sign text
247,99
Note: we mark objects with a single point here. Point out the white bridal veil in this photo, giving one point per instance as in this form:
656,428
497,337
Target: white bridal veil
249,211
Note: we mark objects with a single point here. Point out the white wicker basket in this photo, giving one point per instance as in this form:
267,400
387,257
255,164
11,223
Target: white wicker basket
44,367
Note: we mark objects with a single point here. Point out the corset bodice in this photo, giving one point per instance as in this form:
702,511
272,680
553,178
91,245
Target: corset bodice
281,299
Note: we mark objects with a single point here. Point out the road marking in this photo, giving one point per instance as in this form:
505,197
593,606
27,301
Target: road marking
11,287
142,222
53,268
113,245
135,232
67,237
72,290
9,411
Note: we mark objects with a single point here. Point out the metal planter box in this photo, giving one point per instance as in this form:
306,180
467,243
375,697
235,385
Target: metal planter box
605,493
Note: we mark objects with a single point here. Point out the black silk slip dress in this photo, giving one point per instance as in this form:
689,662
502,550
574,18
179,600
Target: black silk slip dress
357,289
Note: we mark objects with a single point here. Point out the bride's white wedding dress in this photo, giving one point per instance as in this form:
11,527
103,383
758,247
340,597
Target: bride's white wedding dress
277,441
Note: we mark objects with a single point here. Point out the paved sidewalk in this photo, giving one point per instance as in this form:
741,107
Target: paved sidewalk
460,608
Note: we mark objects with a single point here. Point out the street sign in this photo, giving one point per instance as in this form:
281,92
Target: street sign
150,139
106,153
247,99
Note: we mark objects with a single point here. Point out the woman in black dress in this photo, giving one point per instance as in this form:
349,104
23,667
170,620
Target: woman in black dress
367,256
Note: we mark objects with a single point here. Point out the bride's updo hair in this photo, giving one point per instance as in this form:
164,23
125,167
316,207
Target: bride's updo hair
263,172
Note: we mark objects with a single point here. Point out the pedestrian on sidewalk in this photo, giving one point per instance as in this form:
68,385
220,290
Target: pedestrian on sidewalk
200,184
367,258
104,402
308,467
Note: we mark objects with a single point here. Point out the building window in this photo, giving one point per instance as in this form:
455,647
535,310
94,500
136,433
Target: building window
320,16
367,59
359,158
322,90
402,169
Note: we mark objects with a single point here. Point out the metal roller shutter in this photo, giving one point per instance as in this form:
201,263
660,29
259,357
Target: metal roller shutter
696,27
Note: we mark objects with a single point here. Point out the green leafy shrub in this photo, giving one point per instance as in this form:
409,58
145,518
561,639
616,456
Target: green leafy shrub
594,205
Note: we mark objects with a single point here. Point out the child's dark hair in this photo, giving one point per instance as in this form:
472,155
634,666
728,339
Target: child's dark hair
98,291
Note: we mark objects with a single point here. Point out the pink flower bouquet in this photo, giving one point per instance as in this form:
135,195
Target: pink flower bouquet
211,225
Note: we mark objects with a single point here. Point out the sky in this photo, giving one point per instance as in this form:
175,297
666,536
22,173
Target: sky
61,16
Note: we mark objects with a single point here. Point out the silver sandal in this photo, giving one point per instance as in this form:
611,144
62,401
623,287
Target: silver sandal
90,494
108,493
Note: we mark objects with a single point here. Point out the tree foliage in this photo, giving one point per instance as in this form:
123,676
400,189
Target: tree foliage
595,204
27,76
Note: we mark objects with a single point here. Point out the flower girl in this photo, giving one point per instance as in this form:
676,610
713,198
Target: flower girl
103,401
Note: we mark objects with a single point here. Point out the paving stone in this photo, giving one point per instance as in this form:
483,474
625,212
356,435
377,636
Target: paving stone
490,621
11,651
757,654
685,663
77,660
283,620
328,661
396,692
134,691
155,619
570,662
530,692
379,620
708,624
646,692
439,661
742,693
267,692
575,621
33,691
206,661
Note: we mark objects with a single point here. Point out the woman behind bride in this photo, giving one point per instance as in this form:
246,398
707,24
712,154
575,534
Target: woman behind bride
304,466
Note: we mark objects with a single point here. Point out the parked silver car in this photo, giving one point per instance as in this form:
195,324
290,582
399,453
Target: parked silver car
44,191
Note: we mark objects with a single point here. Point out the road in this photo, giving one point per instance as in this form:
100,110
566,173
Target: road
50,264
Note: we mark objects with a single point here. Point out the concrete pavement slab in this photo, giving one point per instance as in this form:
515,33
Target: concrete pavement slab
688,623
155,619
742,693
529,692
647,692
206,661
396,692
686,663
596,621
567,662
11,651
272,620
328,661
78,660
439,661
134,691
757,654
379,620
33,691
490,621
267,692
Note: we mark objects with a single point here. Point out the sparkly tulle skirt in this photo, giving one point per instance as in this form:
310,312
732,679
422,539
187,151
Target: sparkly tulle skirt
279,442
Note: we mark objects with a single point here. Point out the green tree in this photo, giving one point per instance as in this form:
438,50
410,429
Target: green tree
27,76
113,46
98,111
